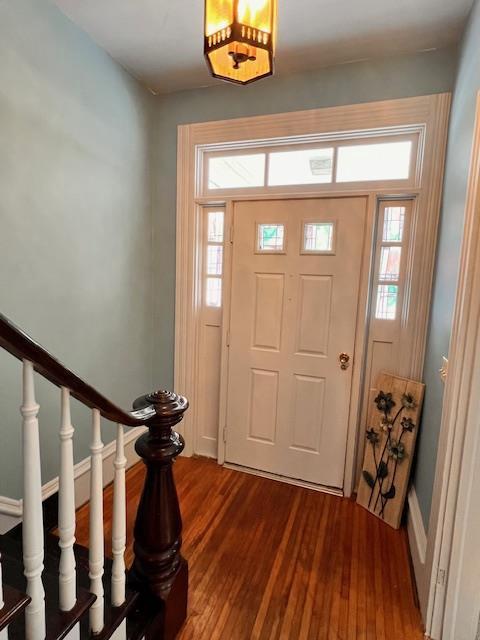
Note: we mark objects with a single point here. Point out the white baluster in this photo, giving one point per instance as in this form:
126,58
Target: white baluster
119,526
96,554
2,604
4,632
32,510
66,509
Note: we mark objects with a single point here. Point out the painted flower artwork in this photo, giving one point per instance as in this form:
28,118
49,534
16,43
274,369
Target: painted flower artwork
388,448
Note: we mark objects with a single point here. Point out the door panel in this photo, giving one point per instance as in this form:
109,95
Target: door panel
293,311
314,311
269,290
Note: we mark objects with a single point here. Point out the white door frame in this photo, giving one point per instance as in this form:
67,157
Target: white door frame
457,460
428,114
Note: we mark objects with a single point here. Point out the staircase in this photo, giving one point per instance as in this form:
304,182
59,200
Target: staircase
52,588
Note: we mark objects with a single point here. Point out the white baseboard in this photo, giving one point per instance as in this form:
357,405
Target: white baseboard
11,511
417,537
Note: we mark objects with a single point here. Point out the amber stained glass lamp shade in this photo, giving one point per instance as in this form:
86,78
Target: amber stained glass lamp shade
239,39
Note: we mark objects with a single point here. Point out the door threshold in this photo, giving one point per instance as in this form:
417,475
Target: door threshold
278,478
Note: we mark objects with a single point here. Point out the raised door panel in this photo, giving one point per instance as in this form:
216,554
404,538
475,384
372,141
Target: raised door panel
314,314
307,422
263,405
269,291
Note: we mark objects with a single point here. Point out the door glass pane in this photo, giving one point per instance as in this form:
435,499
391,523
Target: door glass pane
230,172
213,296
390,263
271,237
381,161
311,166
215,226
214,260
387,297
394,222
318,237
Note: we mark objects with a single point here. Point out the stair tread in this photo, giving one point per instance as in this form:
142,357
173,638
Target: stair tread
12,551
58,623
139,619
114,616
64,621
14,602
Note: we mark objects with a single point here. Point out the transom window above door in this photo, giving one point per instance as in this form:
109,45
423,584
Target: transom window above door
347,161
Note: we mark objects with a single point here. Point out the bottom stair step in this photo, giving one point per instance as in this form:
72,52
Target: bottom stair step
14,602
114,616
59,624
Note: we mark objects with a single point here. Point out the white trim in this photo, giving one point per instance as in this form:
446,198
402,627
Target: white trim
294,481
415,524
417,537
428,114
459,427
13,509
185,298
361,348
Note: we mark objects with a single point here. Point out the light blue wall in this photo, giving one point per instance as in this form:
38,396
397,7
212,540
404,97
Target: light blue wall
388,78
75,221
455,189
78,140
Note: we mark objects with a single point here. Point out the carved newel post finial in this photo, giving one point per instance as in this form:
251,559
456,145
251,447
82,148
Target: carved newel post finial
159,571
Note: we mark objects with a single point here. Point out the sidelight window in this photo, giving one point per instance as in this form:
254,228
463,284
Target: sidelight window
214,258
390,262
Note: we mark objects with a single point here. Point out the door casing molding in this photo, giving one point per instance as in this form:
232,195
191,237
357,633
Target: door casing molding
428,113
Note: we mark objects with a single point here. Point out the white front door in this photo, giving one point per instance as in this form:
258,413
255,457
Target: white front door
294,299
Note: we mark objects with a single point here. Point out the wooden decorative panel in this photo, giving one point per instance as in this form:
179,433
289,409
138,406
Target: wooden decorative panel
393,418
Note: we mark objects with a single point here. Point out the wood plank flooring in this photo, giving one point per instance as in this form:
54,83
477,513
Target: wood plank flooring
272,561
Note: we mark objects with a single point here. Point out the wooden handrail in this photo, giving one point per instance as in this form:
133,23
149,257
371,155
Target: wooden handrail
159,571
23,347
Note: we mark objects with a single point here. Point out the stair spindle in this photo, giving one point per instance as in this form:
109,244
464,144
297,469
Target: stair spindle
2,604
33,551
96,553
4,632
66,509
119,526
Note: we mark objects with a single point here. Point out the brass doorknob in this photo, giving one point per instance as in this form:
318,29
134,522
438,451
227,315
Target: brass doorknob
344,361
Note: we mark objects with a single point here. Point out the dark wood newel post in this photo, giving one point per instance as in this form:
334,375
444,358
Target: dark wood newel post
159,571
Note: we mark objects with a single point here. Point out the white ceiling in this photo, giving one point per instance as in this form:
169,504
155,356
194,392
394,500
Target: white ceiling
161,41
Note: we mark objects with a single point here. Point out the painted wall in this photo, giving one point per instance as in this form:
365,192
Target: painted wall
455,189
75,221
388,78
77,269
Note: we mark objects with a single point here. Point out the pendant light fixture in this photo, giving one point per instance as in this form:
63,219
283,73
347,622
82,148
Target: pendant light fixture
239,39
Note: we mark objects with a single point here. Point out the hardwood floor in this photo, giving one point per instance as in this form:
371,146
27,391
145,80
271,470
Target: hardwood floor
272,561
